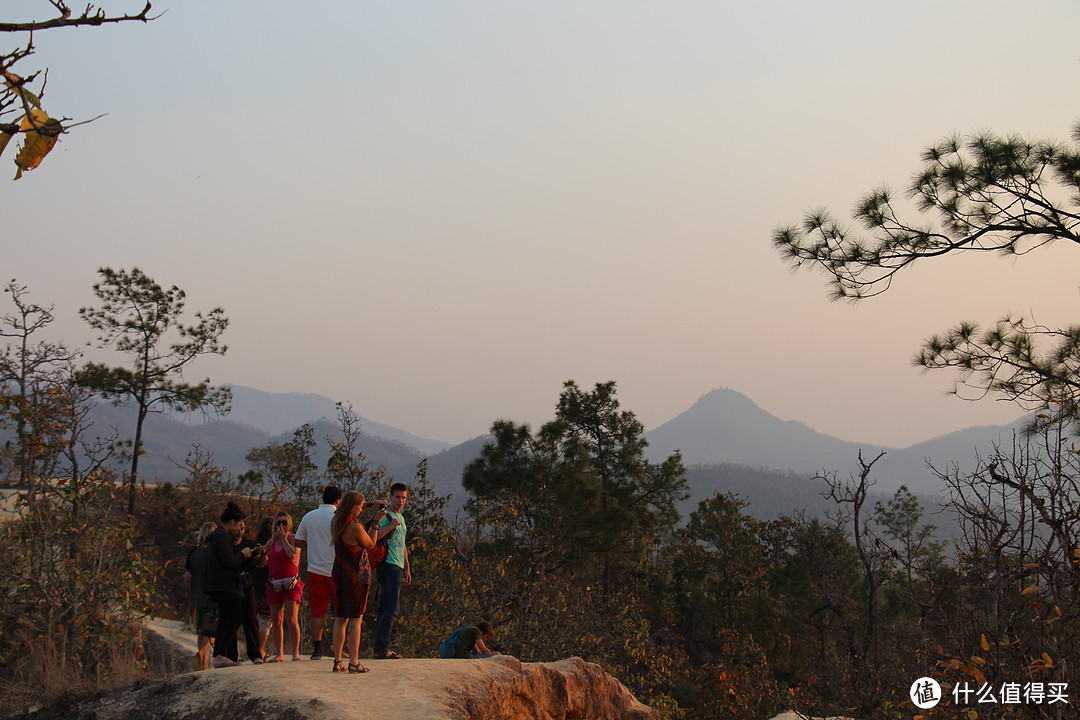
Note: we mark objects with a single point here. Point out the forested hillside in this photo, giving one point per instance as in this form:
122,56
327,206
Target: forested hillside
718,591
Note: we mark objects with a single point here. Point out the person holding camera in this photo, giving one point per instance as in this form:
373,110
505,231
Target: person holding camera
352,577
225,585
284,589
393,572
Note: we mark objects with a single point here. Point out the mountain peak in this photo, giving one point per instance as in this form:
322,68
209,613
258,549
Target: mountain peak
726,399
726,426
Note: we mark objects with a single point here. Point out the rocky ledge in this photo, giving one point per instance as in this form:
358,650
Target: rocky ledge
496,688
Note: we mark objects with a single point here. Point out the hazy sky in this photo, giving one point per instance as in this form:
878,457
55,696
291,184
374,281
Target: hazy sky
441,210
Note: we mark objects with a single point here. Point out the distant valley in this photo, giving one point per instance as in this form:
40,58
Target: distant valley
728,444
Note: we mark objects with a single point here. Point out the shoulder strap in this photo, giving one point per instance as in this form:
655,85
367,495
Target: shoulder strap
373,527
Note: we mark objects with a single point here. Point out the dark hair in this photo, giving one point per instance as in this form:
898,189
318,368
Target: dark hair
266,529
232,512
485,627
331,494
398,486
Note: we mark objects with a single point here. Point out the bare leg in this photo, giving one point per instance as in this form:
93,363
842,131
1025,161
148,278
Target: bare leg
354,640
292,625
339,642
204,649
276,630
264,633
317,628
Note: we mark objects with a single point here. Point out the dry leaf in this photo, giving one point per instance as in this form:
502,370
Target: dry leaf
38,142
4,138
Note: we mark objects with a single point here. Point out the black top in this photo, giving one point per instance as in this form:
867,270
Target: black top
223,566
196,565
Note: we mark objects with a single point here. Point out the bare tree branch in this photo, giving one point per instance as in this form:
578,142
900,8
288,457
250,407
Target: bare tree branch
91,16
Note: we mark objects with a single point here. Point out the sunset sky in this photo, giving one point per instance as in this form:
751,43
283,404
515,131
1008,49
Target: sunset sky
440,211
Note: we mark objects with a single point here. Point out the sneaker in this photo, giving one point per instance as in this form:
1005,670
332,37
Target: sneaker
316,650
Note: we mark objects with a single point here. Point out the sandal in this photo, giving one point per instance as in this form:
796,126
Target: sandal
338,666
388,655
357,668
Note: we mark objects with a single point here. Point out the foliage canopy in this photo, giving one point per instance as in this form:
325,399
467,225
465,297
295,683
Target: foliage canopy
984,193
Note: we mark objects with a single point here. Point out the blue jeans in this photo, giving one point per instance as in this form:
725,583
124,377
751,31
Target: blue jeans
390,579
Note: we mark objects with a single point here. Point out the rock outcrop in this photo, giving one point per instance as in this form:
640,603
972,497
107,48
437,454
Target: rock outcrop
423,689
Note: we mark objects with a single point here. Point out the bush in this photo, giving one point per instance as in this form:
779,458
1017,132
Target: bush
74,582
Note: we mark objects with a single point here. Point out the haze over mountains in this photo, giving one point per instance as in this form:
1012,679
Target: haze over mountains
728,443
278,413
725,426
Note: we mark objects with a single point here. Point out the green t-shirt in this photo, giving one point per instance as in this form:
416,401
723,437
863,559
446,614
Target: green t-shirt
395,548
466,640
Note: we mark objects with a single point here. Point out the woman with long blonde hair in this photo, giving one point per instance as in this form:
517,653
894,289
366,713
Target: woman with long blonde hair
352,577
195,579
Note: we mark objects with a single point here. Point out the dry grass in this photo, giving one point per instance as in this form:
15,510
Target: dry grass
44,678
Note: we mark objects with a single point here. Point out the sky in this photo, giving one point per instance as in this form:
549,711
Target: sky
440,211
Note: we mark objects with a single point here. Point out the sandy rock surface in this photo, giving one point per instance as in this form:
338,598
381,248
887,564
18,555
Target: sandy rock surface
410,689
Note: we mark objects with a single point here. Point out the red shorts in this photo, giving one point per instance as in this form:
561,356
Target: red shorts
320,590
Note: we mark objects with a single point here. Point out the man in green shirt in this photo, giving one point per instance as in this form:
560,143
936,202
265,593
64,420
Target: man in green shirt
470,641
393,572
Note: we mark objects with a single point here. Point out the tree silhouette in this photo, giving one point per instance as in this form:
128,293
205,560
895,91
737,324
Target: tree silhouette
134,318
985,193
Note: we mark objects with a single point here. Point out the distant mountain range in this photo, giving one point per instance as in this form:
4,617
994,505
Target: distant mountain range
725,426
726,440
278,413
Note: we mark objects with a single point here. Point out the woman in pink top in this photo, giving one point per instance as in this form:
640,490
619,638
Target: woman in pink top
284,590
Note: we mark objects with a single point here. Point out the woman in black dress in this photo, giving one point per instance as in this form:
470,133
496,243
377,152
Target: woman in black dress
352,577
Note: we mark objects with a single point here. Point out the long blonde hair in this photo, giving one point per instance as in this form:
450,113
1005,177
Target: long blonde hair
204,532
347,512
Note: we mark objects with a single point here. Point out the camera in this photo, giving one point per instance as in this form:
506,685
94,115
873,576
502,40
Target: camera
281,523
380,505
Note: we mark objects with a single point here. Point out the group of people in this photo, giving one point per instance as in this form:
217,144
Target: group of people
229,573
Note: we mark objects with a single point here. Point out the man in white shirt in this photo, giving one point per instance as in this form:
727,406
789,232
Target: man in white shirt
314,536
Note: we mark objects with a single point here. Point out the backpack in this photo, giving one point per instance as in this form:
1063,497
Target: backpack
448,649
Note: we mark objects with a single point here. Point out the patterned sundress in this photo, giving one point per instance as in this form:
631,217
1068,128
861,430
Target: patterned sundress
352,580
